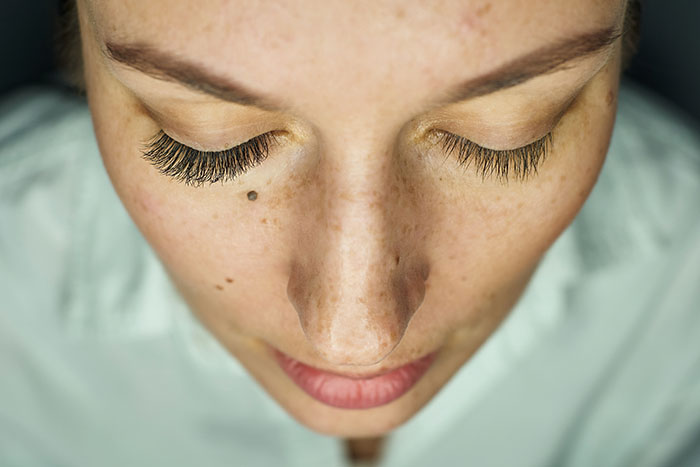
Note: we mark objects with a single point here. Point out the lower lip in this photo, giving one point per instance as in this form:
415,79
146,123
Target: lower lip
354,393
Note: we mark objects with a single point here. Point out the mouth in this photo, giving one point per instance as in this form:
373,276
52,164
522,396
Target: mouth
351,392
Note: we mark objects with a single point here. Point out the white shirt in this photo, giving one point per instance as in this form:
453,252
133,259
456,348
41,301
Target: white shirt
101,364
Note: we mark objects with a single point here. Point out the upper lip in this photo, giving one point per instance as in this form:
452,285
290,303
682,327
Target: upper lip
362,376
369,375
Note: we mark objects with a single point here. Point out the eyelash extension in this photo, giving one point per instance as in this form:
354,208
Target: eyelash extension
195,167
521,162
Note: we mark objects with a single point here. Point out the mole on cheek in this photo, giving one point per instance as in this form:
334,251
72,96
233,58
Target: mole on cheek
252,195
229,280
219,287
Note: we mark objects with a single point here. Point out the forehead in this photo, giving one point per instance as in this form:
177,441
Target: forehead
357,47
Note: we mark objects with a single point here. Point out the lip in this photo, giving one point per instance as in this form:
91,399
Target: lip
348,392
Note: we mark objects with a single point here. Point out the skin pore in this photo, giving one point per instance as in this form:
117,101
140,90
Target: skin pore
359,244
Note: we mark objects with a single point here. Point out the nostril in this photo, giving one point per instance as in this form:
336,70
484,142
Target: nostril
356,315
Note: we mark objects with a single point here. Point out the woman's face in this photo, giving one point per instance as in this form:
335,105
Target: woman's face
356,241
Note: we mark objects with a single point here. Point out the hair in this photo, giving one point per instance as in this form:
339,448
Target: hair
70,57
68,45
632,31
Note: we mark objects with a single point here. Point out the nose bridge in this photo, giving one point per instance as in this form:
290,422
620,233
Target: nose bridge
353,282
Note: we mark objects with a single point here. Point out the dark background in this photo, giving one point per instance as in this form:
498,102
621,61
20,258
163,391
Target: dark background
668,59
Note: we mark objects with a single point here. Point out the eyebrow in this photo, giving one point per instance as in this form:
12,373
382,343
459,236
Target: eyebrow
553,57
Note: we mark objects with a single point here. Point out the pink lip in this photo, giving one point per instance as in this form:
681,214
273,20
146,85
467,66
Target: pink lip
354,393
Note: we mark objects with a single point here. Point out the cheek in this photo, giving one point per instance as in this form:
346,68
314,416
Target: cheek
203,237
209,240
488,243
226,255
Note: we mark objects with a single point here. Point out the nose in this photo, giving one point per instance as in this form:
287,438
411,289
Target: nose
357,277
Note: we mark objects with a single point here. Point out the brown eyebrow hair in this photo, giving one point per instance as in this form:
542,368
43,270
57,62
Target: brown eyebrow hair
548,59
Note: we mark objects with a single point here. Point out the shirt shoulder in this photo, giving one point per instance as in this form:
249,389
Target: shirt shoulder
642,203
71,254
44,137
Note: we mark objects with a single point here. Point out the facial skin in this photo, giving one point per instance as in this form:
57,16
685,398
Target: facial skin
368,246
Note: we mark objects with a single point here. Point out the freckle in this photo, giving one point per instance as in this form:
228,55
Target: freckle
610,97
397,259
219,287
483,10
143,205
229,280
263,220
252,195
215,216
273,201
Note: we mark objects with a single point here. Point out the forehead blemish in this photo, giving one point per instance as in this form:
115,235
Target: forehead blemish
483,10
252,195
473,20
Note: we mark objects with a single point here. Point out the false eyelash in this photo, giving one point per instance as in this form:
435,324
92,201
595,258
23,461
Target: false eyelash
522,162
195,167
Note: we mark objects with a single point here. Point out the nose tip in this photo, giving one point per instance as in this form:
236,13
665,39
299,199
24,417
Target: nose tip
363,343
355,322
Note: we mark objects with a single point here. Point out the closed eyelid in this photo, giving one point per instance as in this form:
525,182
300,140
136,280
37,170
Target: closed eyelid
521,162
195,167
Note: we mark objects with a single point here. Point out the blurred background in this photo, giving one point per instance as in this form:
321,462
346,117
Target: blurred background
668,60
